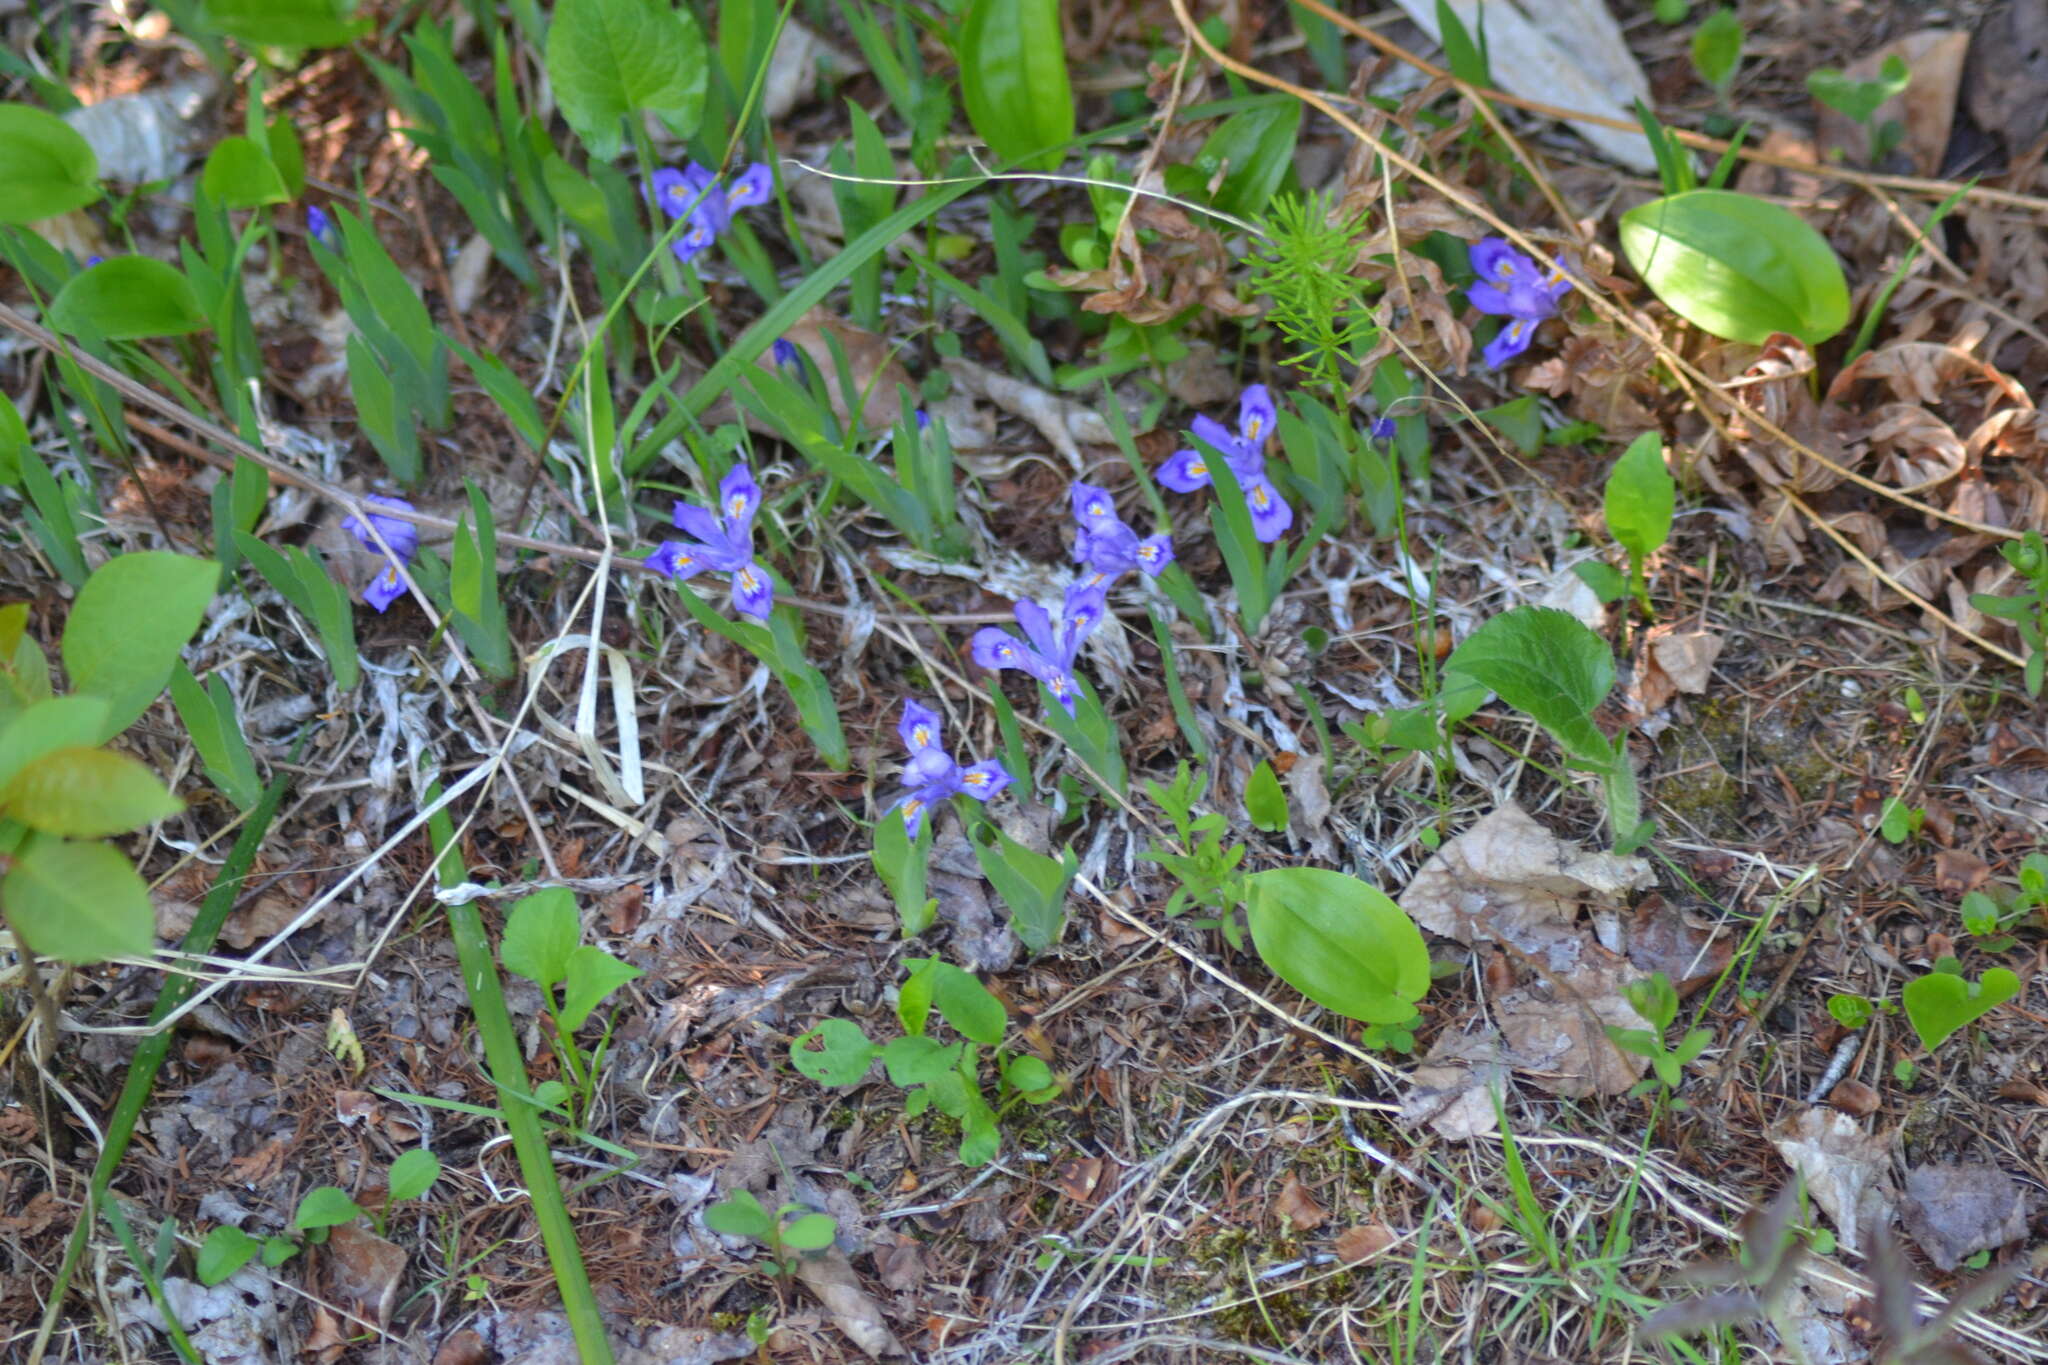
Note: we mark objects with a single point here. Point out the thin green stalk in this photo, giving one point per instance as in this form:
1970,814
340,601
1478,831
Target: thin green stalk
154,1047
1884,296
522,1118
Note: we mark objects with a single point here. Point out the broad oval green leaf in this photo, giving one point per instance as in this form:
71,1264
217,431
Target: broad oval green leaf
917,1060
1738,267
842,1057
1013,79
1264,801
963,1001
1548,665
1641,497
540,934
48,725
225,1250
612,58
78,902
1254,149
809,1232
131,619
326,1206
45,165
86,794
412,1174
1339,942
239,175
740,1215
593,975
126,298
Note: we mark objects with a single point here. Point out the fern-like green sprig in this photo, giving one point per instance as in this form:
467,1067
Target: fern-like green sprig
1303,266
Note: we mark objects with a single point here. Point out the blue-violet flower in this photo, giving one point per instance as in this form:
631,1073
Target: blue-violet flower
931,775
1049,655
1512,286
1106,544
401,540
1245,453
694,193
319,226
722,542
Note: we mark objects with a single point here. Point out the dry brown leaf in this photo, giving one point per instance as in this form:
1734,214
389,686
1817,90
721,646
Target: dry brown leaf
1555,1027
1958,872
1661,939
1363,1242
1078,1178
1955,1211
1452,1091
362,1270
1298,1206
871,365
1855,1099
828,1276
1845,1170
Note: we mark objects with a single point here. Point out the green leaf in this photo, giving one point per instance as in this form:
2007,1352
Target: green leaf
49,725
1654,998
964,1002
47,167
208,712
1013,79
610,59
842,1058
285,23
276,1251
1264,801
900,861
126,298
1641,497
810,1232
1254,149
413,1174
1027,1075
87,793
593,975
1717,48
540,934
740,1215
287,155
325,1206
1938,1004
130,621
13,442
1339,942
1737,267
1549,666
914,997
1859,100
225,1250
239,175
1467,56
1608,583
915,1060
1033,886
78,902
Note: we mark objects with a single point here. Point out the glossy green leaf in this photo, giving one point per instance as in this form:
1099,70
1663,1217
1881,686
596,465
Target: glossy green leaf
842,1055
1264,801
128,297
325,1206
286,23
1013,79
1738,267
225,1250
131,620
593,975
1339,942
611,59
46,167
77,902
1641,497
86,794
1253,148
1939,1003
1546,664
239,175
540,934
412,1174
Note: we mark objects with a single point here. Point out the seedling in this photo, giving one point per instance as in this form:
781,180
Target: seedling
1942,1002
1990,912
2027,609
1898,822
1859,101
1654,999
323,1208
541,944
1855,1011
789,1233
1207,870
1641,499
944,1076
1717,51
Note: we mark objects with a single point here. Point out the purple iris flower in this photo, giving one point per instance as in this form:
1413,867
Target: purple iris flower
1245,453
722,541
694,192
319,226
92,261
402,538
1513,286
786,355
1049,654
1383,428
931,775
1105,543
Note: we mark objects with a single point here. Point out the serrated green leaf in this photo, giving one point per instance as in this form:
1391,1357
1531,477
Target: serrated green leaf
45,165
82,793
1338,941
78,902
1737,267
609,59
126,298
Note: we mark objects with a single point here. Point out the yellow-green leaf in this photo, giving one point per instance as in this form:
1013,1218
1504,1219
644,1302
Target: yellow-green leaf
85,793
